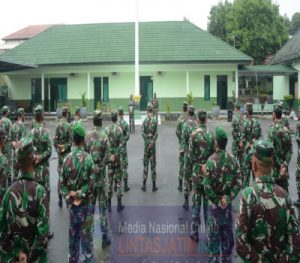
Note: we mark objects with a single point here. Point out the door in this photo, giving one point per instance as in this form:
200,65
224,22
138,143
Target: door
222,87
97,91
146,91
46,95
58,92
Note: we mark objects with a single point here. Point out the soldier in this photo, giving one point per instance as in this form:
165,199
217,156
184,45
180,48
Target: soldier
188,127
155,105
18,131
96,144
236,126
284,117
297,135
201,147
4,167
280,136
77,187
266,222
115,138
181,120
150,134
131,109
62,144
24,214
125,129
251,131
77,117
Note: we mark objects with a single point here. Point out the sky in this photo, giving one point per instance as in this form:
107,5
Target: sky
17,14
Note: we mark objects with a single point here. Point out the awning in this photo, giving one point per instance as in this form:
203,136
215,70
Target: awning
267,70
8,66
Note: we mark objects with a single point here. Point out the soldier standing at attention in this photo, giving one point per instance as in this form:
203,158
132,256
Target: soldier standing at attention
181,120
251,131
115,139
280,136
4,167
96,144
297,135
18,131
201,147
131,108
188,127
155,105
150,134
77,187
124,157
62,144
77,117
24,216
236,126
266,222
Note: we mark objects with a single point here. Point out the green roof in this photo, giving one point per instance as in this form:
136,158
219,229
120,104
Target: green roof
160,42
267,70
289,52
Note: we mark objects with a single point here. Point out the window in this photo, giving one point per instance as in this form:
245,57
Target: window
105,89
206,87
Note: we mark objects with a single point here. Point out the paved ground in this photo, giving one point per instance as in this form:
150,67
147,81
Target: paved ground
154,227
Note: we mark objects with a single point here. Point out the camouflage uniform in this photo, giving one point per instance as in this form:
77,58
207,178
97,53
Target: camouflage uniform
155,105
4,169
78,176
77,119
96,144
236,126
266,227
188,127
131,109
297,135
24,217
222,180
150,134
201,147
181,120
62,143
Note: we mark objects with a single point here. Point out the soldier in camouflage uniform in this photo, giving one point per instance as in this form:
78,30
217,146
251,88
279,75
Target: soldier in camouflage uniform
221,185
155,105
181,120
297,135
125,129
77,117
149,134
115,138
4,167
62,143
18,131
131,109
188,127
24,215
77,187
96,144
266,227
201,147
280,136
251,131
236,127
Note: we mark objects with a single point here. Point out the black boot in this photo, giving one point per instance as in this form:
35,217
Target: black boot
180,185
120,205
106,241
60,203
186,202
144,186
297,202
194,232
109,205
50,235
154,187
126,188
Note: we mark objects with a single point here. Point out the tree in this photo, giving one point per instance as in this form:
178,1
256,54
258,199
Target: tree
255,27
295,23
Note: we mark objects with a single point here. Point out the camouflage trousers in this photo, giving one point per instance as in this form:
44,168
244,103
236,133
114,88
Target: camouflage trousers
15,171
131,123
80,232
41,175
149,156
237,153
246,168
298,175
219,234
37,256
187,171
124,161
181,165
279,180
115,175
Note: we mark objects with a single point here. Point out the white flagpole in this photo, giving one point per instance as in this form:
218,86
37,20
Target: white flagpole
137,73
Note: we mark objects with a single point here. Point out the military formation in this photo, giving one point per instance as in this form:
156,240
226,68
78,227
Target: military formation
93,165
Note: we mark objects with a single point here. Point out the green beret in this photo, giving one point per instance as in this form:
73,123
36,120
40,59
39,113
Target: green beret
114,114
191,109
149,106
25,148
237,105
20,111
79,130
249,106
263,151
202,113
120,110
5,109
98,114
221,135
38,110
77,109
2,135
185,104
64,109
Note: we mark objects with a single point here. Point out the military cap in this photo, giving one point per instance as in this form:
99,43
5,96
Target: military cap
98,114
64,109
249,106
149,106
114,114
185,104
263,150
38,110
77,109
2,135
79,130
5,109
191,109
20,110
25,148
221,135
237,105
202,113
120,110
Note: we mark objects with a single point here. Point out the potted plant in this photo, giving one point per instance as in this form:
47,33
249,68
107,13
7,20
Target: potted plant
168,112
190,98
83,109
215,109
289,99
262,100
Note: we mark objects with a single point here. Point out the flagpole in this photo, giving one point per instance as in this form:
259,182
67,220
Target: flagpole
137,75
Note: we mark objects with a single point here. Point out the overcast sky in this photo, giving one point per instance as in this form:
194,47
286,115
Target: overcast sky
17,14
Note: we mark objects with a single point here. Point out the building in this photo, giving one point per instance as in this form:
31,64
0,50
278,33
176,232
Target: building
176,58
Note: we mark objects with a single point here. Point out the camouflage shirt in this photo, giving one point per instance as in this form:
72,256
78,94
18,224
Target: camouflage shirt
149,132
24,219
76,120
236,126
78,175
181,120
4,175
222,178
18,131
251,131
6,125
188,127
115,139
266,223
297,136
125,129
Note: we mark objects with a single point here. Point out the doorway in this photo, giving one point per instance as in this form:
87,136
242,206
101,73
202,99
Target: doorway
146,91
58,92
222,88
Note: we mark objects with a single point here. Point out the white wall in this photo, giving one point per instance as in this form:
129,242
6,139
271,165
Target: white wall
280,87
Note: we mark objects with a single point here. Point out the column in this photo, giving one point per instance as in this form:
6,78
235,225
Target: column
88,93
187,82
43,89
237,84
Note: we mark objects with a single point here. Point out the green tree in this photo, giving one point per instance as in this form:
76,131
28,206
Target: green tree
295,23
255,27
